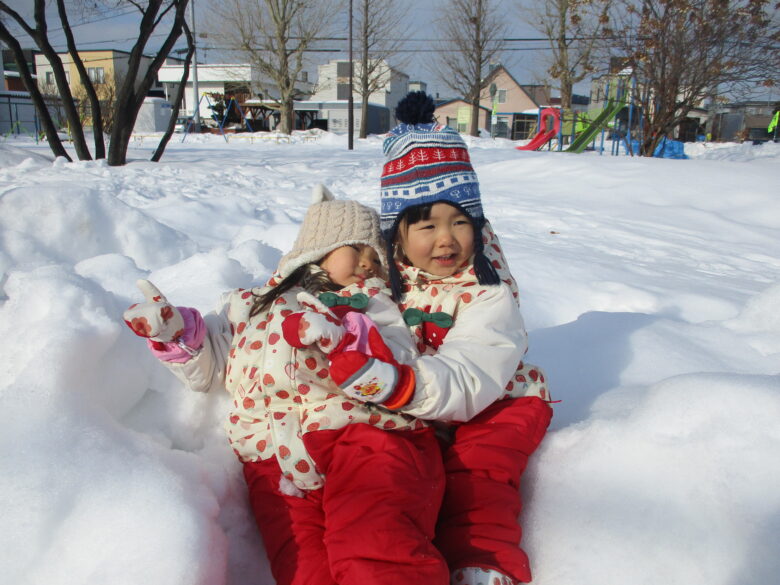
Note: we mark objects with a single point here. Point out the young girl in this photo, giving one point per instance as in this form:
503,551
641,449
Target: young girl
343,493
460,303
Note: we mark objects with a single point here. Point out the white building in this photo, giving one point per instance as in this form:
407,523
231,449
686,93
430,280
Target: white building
333,85
239,80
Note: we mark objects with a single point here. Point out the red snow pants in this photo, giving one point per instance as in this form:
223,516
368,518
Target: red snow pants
372,523
479,521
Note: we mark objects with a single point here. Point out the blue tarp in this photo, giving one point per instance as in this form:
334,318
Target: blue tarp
670,149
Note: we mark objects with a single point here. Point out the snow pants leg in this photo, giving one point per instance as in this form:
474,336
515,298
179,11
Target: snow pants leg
479,521
374,521
382,494
292,527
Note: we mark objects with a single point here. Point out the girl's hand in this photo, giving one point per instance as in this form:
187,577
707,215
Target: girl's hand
315,325
156,319
309,327
372,374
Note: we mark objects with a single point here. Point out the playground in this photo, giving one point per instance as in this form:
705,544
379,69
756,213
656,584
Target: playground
614,125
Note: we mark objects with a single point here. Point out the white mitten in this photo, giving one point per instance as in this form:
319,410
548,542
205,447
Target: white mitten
308,327
156,319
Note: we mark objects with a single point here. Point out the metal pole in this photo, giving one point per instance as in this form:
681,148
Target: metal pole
195,91
351,106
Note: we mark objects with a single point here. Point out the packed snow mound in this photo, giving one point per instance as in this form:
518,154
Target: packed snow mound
15,156
52,224
650,289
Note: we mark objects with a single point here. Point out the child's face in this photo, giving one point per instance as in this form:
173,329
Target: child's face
441,244
350,264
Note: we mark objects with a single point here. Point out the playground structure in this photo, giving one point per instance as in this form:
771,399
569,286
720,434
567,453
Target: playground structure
545,135
220,113
619,121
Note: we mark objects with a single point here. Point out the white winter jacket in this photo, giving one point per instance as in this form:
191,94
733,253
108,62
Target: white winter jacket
476,361
280,393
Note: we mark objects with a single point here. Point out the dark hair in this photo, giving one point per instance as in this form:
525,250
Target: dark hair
484,270
309,276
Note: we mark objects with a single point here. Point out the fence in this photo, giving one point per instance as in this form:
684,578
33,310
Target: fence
18,115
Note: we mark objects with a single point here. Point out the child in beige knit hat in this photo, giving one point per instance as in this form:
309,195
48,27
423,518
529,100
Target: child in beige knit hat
324,465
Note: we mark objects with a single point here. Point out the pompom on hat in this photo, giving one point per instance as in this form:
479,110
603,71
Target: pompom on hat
426,163
329,224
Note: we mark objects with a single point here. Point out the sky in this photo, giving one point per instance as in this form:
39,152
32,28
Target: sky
114,29
650,291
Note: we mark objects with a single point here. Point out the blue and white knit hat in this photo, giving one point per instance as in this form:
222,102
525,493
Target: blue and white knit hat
426,163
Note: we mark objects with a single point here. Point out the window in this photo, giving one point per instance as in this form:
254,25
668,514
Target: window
49,78
501,129
501,96
96,74
342,91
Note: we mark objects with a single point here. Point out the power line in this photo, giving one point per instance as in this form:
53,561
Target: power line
82,23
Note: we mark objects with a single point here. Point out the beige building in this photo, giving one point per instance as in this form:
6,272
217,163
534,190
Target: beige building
516,107
105,68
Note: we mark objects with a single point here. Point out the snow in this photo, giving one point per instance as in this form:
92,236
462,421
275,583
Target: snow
649,287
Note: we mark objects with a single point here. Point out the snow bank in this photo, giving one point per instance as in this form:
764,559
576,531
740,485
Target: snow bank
649,287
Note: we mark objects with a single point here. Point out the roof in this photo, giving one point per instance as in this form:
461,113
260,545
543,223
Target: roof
452,101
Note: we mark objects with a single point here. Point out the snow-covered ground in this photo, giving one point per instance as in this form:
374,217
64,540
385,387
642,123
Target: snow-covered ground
650,289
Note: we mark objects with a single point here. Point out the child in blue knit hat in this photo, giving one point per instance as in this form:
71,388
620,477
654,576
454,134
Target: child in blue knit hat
460,302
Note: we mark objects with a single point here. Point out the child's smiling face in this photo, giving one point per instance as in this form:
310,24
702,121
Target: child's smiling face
441,244
350,264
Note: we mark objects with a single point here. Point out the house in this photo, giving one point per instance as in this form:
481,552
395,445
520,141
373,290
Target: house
17,112
456,114
418,86
219,82
516,107
107,70
747,120
9,72
333,88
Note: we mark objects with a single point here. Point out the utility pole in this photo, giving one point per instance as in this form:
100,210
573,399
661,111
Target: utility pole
196,108
351,106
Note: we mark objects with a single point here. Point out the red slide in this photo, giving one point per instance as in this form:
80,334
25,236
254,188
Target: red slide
544,136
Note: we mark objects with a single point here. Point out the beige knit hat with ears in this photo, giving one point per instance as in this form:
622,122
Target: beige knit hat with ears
330,224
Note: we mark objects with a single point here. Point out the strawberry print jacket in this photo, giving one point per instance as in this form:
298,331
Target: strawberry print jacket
281,393
471,339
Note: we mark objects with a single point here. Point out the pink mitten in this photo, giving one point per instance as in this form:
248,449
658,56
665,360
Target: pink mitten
156,319
373,375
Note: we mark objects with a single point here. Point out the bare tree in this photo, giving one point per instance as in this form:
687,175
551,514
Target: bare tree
573,29
38,32
177,100
102,115
273,35
683,51
473,33
378,23
129,95
49,127
138,81
86,83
